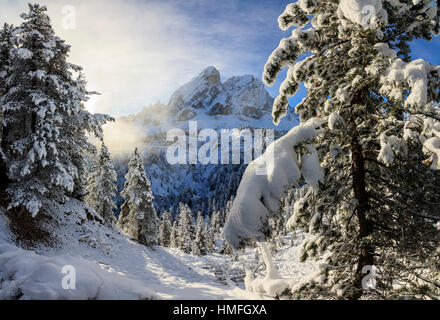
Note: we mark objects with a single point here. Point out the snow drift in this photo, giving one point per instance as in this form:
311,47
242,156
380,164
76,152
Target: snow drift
27,275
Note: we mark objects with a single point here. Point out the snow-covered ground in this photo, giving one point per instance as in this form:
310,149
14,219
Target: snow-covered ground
111,266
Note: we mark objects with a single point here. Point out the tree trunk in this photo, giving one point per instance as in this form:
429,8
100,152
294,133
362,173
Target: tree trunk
366,257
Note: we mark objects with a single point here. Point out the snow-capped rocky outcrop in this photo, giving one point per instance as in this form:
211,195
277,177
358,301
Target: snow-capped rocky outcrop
238,102
242,95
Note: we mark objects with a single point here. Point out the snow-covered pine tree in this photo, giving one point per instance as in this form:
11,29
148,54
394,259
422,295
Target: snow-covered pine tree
6,45
138,216
174,237
379,204
215,222
186,228
165,229
44,120
199,244
101,186
209,238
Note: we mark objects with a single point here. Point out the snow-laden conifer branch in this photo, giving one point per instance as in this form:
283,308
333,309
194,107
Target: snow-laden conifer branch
267,178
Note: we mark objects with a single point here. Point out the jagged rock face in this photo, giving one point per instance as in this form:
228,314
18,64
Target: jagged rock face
199,92
248,96
243,95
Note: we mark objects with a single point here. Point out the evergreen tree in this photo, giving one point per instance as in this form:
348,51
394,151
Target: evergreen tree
101,186
44,119
138,217
216,223
186,228
209,238
174,237
379,204
199,244
6,45
165,230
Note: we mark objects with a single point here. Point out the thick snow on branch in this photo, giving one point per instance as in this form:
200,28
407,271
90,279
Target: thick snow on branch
412,75
266,180
427,131
430,137
432,147
364,12
389,145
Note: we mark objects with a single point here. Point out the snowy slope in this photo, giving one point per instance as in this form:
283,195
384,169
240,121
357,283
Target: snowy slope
111,266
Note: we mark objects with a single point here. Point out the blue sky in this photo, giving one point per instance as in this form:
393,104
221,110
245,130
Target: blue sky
136,52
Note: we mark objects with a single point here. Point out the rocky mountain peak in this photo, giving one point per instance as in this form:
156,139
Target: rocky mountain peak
211,75
239,95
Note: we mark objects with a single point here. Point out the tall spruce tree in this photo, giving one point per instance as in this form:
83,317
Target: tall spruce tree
174,237
138,216
165,229
209,238
101,186
216,222
6,44
379,203
186,228
199,244
44,119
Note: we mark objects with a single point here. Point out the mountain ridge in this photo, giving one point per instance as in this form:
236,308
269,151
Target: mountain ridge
239,101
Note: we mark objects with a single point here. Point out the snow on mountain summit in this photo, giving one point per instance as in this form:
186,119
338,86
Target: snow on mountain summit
199,92
248,96
238,102
205,94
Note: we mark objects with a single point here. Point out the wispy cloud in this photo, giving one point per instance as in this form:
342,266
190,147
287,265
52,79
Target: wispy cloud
137,52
